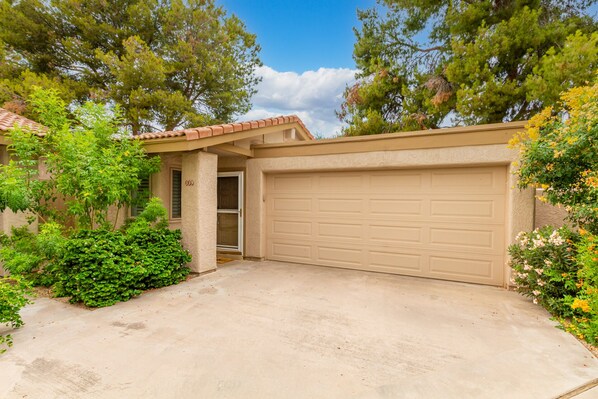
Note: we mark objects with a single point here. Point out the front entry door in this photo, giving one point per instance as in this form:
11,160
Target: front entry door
230,211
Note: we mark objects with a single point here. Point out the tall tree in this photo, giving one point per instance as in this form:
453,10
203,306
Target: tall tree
425,63
166,63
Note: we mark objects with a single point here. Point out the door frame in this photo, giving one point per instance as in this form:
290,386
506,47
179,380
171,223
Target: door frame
239,211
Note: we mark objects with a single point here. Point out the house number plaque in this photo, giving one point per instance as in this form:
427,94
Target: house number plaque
189,183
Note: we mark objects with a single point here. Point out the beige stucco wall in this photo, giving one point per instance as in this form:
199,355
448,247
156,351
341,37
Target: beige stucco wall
548,215
519,207
200,170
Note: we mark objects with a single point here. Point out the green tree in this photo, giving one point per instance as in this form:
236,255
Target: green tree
85,161
166,63
428,63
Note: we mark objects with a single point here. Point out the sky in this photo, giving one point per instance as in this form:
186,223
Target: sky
307,48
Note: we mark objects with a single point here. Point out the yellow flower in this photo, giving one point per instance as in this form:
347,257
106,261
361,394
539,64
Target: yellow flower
557,154
581,304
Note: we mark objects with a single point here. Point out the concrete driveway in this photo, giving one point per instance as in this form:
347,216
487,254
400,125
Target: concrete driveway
275,330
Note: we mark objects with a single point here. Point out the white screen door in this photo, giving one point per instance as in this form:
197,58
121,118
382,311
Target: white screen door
230,211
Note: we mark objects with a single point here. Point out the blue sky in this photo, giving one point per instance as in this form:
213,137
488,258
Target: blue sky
301,35
307,48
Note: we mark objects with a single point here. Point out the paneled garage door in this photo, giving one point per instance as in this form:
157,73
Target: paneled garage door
439,223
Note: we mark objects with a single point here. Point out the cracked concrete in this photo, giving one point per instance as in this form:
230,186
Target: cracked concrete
271,330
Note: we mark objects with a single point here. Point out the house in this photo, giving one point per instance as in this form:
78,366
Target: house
438,203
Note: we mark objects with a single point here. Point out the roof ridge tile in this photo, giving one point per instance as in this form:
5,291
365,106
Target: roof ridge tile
226,128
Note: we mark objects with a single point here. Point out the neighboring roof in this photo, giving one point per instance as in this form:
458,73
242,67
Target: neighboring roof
489,134
9,119
226,128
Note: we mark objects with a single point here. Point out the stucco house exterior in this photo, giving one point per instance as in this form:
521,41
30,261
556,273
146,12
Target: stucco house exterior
438,204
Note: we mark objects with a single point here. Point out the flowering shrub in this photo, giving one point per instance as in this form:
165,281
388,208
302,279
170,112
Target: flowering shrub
545,268
559,152
561,155
585,321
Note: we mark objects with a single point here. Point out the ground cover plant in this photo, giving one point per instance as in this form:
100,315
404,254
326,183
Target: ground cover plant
559,268
74,182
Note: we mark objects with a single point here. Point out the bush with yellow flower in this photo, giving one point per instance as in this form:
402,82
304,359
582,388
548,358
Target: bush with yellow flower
559,152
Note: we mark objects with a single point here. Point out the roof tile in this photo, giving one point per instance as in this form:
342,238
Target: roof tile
226,128
9,119
217,130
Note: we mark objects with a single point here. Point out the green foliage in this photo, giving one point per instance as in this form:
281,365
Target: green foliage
160,253
154,215
426,63
167,64
30,255
100,268
585,322
19,254
561,155
545,269
89,164
14,294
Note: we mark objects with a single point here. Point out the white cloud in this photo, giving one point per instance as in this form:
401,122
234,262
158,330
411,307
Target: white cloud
312,95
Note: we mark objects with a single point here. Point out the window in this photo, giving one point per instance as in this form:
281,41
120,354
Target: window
175,199
141,197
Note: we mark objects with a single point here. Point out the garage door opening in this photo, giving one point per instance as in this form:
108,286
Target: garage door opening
439,223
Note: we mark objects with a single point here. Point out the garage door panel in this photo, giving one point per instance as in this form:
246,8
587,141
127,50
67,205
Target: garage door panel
396,207
466,268
291,183
395,234
394,183
341,256
345,183
396,262
472,180
340,205
339,231
484,209
291,251
440,223
292,204
295,228
472,238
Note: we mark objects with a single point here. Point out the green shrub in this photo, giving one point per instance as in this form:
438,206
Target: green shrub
19,254
545,268
30,255
161,255
100,268
14,295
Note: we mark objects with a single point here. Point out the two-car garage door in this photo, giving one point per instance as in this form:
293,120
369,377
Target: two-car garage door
438,223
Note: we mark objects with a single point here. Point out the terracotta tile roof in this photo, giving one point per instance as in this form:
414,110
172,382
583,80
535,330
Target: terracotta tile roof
216,130
9,119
